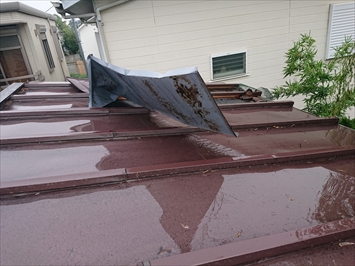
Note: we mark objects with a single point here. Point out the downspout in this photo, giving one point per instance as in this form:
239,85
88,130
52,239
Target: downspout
99,24
79,45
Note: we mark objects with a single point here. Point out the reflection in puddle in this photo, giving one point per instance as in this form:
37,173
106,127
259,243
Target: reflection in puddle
254,205
25,164
40,129
169,216
49,93
19,107
184,204
119,227
342,136
323,229
337,198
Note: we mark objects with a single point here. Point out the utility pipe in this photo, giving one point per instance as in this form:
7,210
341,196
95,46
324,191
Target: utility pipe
88,15
79,44
100,24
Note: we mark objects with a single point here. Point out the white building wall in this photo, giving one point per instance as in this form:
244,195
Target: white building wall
88,40
162,35
33,47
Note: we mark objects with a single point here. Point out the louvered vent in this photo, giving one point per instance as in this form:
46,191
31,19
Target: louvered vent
341,24
229,64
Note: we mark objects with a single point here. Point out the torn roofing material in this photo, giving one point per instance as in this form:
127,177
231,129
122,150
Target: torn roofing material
180,94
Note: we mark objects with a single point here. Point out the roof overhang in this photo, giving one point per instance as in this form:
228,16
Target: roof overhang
75,8
20,7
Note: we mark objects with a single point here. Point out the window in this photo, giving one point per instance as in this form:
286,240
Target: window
9,42
13,58
229,65
340,24
41,30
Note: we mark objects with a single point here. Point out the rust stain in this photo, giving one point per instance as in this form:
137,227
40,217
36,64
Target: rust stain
189,93
166,104
109,84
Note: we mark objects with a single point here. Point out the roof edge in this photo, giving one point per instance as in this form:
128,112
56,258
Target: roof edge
20,7
252,250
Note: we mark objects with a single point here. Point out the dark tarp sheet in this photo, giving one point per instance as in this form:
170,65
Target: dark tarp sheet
180,94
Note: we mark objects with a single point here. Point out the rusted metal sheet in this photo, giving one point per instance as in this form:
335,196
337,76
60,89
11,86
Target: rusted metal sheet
80,84
180,94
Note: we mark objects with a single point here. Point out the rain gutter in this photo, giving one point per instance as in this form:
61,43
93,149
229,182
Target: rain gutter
88,15
62,12
100,24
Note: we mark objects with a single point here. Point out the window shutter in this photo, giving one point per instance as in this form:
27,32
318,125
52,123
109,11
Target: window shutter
55,35
41,31
341,24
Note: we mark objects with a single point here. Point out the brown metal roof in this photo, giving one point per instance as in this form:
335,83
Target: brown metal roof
150,189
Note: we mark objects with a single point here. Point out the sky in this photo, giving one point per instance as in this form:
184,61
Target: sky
43,5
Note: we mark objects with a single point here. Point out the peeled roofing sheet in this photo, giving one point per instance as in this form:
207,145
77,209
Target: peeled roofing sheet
180,94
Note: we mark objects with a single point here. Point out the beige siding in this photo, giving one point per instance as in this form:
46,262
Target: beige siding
163,35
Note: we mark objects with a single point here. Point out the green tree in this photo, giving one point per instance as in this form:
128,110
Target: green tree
327,86
69,42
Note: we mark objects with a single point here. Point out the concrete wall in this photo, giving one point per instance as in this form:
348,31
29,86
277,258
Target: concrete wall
162,35
75,64
32,44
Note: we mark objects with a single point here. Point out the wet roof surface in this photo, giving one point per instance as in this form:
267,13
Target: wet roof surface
159,188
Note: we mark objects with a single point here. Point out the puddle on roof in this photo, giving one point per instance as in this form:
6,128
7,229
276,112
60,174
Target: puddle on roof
20,107
205,211
119,227
259,204
30,129
49,93
68,158
25,164
164,217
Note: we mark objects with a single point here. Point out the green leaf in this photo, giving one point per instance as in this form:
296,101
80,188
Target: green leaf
328,86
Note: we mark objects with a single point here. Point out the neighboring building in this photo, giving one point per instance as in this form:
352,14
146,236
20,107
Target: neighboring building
229,41
29,45
89,37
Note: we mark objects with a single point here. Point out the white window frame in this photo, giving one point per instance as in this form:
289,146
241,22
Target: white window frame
340,24
245,73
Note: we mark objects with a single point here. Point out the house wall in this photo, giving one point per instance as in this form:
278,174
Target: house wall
32,44
162,35
88,40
